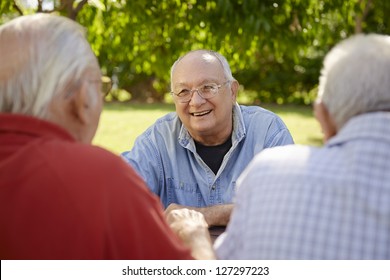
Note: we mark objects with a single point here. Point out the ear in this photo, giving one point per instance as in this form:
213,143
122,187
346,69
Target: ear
234,88
326,121
81,104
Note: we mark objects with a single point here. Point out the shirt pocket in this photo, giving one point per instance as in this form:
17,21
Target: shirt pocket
184,193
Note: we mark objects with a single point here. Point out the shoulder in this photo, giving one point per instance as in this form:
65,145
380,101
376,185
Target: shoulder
257,113
79,153
286,153
88,176
284,159
167,120
89,164
279,165
260,123
165,125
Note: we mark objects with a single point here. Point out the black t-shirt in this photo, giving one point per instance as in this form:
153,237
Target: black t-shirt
213,155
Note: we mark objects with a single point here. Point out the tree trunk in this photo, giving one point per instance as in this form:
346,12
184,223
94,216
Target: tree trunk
360,18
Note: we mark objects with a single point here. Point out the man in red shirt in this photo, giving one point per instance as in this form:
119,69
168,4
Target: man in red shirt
60,197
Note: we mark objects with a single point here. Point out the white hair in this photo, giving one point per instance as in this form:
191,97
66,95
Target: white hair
355,78
206,53
41,56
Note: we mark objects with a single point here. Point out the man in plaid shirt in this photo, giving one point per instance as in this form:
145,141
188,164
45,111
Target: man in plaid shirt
298,202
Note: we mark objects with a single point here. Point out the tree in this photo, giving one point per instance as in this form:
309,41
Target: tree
275,48
68,8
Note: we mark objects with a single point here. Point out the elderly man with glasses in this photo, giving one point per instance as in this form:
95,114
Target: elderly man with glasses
192,157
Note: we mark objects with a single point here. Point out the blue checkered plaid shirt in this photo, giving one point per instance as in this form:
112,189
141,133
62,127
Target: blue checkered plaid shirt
297,202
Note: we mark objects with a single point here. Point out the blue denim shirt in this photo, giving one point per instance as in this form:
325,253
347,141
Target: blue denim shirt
165,156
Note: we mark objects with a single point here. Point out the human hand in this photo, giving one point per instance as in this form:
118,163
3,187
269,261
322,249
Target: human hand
192,229
215,215
183,220
174,206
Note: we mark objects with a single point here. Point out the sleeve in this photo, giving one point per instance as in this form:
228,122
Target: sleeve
144,157
278,134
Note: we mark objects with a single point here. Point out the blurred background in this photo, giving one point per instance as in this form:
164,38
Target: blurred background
275,48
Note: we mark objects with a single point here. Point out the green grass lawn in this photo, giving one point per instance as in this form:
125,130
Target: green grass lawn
121,123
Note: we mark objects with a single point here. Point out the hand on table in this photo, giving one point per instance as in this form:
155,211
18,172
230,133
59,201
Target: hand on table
216,215
192,229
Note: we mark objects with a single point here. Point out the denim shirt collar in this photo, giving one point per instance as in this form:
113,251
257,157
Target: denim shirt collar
186,141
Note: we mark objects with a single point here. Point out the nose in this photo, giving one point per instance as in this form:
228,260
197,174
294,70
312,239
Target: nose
196,99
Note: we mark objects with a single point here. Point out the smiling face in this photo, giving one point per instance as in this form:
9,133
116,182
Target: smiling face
208,121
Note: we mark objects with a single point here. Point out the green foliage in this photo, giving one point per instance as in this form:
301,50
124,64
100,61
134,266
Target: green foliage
275,48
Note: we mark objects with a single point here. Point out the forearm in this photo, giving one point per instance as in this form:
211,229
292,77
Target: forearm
192,229
199,241
217,215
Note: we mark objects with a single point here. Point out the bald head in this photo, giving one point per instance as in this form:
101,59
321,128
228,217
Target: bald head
207,57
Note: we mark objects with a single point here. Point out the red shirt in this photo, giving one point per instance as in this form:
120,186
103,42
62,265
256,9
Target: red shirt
60,199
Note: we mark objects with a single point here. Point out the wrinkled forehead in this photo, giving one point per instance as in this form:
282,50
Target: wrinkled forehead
200,56
197,67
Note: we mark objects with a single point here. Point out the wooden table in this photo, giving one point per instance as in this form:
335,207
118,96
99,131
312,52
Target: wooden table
216,231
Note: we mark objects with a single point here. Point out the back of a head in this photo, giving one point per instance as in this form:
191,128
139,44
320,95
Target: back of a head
355,78
40,56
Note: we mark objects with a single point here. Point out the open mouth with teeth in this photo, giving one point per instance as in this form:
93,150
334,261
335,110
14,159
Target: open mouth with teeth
200,114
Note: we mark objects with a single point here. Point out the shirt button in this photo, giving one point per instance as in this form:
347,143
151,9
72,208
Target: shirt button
213,187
